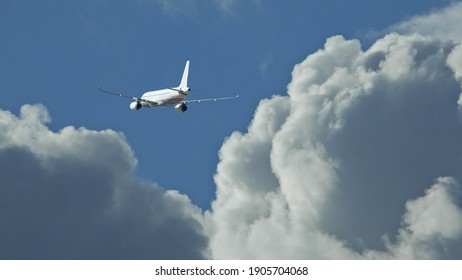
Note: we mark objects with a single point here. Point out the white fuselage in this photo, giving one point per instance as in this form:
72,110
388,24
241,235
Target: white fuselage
162,97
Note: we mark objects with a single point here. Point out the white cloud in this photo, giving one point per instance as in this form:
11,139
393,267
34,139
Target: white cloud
175,8
227,6
443,24
72,195
188,7
326,171
430,224
455,62
265,64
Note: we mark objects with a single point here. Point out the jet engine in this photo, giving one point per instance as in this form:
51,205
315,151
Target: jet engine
135,105
181,107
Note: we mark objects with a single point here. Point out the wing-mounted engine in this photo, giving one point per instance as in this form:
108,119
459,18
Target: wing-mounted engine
182,107
135,105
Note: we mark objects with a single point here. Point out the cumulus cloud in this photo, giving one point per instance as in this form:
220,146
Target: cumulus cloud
455,62
443,24
431,223
340,167
72,195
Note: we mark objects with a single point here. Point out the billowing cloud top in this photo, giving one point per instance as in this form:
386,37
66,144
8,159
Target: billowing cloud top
72,195
362,138
443,24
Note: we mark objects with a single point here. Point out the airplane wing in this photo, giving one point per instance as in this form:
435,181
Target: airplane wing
209,99
127,96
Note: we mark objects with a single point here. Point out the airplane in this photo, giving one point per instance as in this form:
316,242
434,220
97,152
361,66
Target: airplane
167,97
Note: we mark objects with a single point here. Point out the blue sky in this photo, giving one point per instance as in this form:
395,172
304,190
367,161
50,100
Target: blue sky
57,52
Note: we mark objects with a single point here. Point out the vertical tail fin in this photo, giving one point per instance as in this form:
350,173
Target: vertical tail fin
184,79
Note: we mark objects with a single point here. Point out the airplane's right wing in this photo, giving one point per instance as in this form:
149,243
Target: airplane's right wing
127,96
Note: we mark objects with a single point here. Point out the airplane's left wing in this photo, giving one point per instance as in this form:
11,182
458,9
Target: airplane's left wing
209,99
